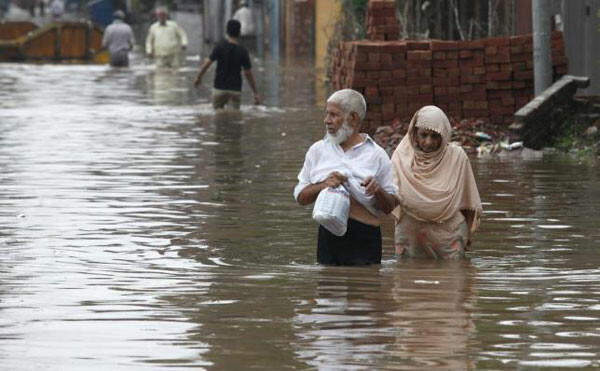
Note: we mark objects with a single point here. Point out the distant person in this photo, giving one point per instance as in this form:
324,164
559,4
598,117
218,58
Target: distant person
165,39
31,7
57,9
231,59
42,6
119,39
439,202
348,158
244,15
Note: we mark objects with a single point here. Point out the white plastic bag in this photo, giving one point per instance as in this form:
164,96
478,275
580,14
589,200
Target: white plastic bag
331,210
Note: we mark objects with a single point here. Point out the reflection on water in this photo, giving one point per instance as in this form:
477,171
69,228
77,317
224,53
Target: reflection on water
139,229
434,317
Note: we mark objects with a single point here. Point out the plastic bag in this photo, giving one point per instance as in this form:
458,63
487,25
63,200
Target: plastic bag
331,210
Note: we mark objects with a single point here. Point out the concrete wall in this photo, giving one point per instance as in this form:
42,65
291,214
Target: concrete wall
582,36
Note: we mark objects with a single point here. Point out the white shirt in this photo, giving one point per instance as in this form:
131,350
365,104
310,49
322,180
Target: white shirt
359,162
165,40
244,16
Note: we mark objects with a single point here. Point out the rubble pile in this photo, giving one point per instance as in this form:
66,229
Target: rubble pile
475,136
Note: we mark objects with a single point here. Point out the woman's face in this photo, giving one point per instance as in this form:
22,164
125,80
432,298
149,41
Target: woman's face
428,140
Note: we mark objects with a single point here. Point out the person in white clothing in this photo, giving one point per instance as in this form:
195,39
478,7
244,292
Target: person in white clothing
165,39
244,15
353,160
57,8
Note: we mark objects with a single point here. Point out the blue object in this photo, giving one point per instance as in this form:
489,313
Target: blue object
101,11
482,136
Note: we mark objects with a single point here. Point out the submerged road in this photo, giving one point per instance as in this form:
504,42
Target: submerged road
140,230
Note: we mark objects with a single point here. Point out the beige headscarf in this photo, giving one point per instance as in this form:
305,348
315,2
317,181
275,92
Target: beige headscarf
434,186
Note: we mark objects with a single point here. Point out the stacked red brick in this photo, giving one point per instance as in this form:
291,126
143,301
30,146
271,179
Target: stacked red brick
521,59
472,89
343,68
499,80
419,88
381,20
488,79
446,77
559,56
510,76
378,70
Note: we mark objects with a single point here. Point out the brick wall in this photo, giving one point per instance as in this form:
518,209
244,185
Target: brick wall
301,25
488,78
381,20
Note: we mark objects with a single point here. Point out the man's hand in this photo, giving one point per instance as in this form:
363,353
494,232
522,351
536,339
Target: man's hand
151,55
371,186
203,68
385,201
310,193
198,81
183,47
256,99
335,179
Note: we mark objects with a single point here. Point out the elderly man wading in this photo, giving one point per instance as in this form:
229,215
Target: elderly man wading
164,40
118,38
351,159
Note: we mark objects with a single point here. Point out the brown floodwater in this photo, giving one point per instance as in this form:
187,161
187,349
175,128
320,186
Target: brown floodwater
141,230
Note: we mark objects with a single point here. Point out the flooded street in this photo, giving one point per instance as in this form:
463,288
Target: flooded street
140,230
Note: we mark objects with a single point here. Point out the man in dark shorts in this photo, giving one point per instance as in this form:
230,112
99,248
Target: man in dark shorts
345,157
231,58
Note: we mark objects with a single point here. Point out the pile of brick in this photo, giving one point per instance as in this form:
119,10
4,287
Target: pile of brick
472,90
486,79
419,90
521,59
559,56
381,20
378,70
301,24
446,77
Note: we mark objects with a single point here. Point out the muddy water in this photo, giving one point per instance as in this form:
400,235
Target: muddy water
139,230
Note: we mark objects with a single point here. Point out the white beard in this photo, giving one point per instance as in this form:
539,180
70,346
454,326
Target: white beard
342,134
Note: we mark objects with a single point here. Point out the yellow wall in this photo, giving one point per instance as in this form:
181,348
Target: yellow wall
326,14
